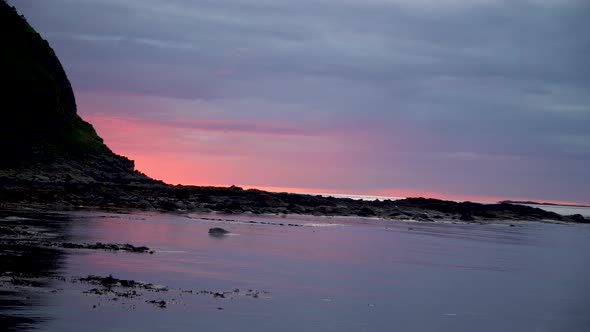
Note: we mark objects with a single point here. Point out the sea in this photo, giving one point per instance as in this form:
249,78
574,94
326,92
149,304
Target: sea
301,273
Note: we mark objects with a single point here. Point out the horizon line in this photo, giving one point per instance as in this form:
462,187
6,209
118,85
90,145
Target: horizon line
394,194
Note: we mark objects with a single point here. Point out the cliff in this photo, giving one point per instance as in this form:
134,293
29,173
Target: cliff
41,135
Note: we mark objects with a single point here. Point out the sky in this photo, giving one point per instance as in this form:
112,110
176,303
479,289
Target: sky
457,99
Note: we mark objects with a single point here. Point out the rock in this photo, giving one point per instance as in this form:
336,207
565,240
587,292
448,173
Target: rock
228,206
294,208
366,212
321,210
376,203
160,304
100,246
466,217
217,231
145,205
41,178
578,218
422,217
169,205
262,200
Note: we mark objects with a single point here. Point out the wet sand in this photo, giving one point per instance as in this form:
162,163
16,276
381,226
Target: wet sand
287,273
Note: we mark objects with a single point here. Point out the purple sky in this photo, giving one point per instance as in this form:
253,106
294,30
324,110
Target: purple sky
458,99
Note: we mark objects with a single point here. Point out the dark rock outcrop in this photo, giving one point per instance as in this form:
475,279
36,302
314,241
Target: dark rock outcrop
579,218
366,212
466,217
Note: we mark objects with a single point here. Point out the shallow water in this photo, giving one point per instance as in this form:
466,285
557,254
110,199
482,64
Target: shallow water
357,275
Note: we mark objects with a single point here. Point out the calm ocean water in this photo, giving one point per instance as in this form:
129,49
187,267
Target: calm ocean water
332,274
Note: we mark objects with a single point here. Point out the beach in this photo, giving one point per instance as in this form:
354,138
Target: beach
133,188
290,273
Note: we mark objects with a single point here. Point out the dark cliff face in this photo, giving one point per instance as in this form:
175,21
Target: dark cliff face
39,126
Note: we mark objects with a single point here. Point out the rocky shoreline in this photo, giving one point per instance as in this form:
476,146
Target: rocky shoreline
157,196
33,243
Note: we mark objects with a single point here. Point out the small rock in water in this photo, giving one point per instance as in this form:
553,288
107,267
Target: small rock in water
218,294
217,231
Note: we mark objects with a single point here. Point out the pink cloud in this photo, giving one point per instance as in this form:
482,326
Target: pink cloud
220,152
258,127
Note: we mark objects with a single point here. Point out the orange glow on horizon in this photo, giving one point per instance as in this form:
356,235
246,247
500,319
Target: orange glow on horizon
394,194
174,172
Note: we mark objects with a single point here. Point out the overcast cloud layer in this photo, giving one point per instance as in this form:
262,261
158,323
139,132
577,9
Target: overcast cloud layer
475,98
